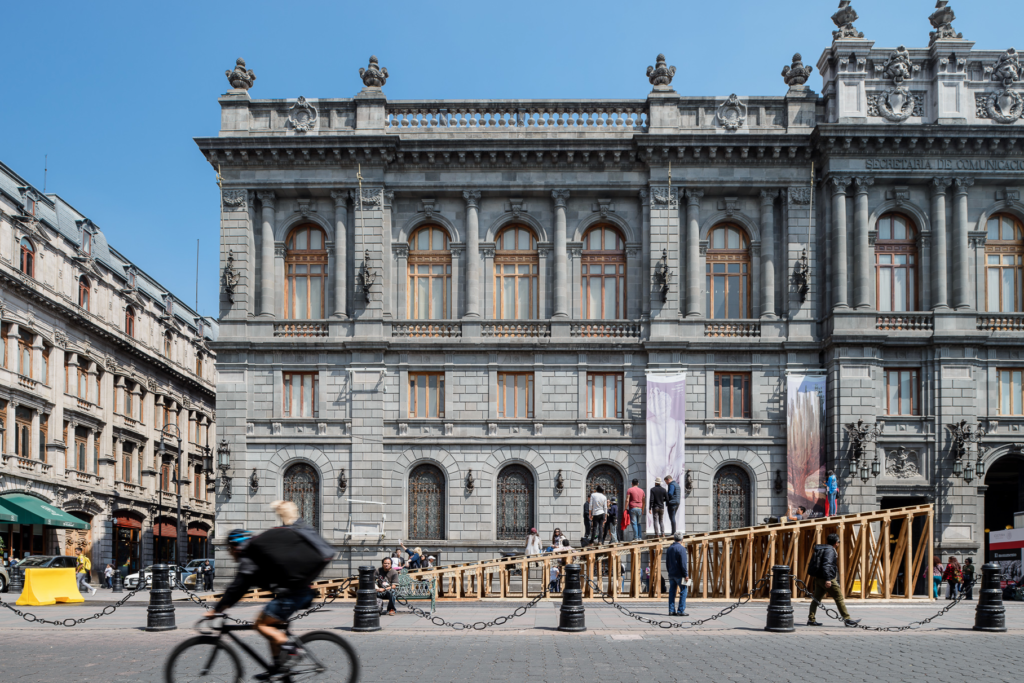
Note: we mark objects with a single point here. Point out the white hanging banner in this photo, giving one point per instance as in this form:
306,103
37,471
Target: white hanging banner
666,438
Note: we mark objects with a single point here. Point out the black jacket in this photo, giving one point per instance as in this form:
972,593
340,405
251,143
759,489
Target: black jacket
825,563
658,496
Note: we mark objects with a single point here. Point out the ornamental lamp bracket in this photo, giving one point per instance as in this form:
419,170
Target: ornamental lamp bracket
802,276
559,482
254,481
342,482
367,276
663,276
470,482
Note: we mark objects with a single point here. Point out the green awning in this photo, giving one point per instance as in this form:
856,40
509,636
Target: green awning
31,510
6,516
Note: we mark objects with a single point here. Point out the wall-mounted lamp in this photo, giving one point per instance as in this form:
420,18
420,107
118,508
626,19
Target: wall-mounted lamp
663,275
559,482
802,275
342,482
962,436
688,482
470,482
254,481
779,485
367,276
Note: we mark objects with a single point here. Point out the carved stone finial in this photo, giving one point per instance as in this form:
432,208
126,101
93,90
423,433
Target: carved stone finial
844,19
373,75
898,66
942,20
240,78
660,74
796,73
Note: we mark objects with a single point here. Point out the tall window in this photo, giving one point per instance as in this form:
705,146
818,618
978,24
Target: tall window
728,273
83,292
732,394
603,274
901,391
129,321
515,394
22,432
82,382
1004,265
45,377
1011,392
516,268
896,263
28,257
305,263
168,345
426,503
86,242
81,455
129,402
197,488
430,274
515,490
165,477
604,395
199,365
25,354
426,394
44,423
300,389
127,462
302,487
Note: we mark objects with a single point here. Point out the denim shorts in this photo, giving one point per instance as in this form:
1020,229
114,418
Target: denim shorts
283,606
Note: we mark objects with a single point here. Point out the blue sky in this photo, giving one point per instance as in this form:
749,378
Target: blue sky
115,92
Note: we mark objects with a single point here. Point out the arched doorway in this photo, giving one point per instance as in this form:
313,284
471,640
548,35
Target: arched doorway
731,498
515,489
128,541
198,540
1004,494
608,478
302,487
426,503
165,537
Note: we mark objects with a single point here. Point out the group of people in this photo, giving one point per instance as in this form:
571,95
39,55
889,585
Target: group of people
958,578
603,519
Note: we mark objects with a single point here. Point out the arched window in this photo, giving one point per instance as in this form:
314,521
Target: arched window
728,273
731,498
28,257
515,503
168,345
603,274
129,321
426,503
896,263
610,480
516,268
305,263
430,274
83,292
302,487
1004,265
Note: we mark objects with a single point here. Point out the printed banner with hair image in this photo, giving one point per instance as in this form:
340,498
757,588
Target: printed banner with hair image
666,432
805,443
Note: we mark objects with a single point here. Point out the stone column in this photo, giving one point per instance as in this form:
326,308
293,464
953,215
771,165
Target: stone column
645,256
472,254
118,458
768,254
840,297
267,255
940,290
33,445
10,434
862,298
340,252
693,274
400,252
561,256
91,461
961,256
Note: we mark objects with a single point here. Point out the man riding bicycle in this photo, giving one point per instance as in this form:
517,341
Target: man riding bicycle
284,560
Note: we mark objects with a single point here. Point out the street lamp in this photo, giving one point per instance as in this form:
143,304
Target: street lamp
171,430
962,435
860,434
224,463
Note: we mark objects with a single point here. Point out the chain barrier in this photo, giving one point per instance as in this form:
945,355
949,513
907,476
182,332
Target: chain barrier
332,594
69,622
888,629
477,626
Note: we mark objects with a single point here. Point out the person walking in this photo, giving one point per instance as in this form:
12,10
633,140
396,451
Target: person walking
598,511
533,543
824,569
938,570
611,522
675,498
953,576
969,579
636,506
676,564
84,567
586,521
831,494
108,576
659,497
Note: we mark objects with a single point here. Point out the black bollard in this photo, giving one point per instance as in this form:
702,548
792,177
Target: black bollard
780,605
990,614
118,582
366,618
571,617
160,613
17,580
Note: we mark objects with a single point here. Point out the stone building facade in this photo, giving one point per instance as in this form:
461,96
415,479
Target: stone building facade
438,316
97,360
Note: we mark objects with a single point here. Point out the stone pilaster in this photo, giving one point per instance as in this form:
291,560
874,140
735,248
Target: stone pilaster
961,255
267,255
768,254
561,256
340,253
840,297
940,288
472,198
862,253
693,274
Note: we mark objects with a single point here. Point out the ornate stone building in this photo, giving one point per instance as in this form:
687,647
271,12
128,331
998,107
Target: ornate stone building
97,360
438,316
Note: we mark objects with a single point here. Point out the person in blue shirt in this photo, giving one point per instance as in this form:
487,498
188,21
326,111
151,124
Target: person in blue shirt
676,564
415,557
674,499
831,493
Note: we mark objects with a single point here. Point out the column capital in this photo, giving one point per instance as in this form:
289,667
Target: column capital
643,196
960,185
340,198
862,183
939,185
693,197
560,196
267,197
839,184
472,198
768,197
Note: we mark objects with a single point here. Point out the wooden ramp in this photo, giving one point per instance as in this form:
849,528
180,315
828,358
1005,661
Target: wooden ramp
876,551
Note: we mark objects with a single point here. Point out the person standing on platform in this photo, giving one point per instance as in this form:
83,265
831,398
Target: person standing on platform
586,521
611,521
635,505
659,497
824,569
831,494
676,564
953,576
598,511
969,579
533,543
675,498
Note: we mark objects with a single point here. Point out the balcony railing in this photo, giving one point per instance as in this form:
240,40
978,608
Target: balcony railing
516,330
907,322
1003,322
621,329
27,382
594,116
435,329
129,488
732,328
83,477
300,329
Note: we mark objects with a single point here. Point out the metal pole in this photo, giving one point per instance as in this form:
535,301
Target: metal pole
177,522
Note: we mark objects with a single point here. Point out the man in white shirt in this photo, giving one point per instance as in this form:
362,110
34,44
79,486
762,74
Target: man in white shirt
598,509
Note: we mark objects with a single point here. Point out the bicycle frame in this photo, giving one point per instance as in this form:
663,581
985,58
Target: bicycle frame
228,630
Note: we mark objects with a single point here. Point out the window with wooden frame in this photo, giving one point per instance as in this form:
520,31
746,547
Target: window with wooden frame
902,391
426,394
191,430
732,394
727,265
199,365
129,401
45,374
197,489
305,263
515,395
1004,265
603,274
82,381
430,274
127,462
896,263
165,477
86,242
97,388
44,430
96,454
83,292
28,257
1011,391
516,272
129,322
605,395
300,389
81,455
25,354
23,432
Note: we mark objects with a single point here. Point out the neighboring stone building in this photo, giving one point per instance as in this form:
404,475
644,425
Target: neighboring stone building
444,311
97,358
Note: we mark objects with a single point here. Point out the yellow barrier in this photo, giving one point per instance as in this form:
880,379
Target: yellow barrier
49,586
856,587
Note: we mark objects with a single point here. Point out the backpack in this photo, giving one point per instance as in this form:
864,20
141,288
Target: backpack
285,557
817,564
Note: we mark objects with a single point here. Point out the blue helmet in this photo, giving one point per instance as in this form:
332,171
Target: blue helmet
238,536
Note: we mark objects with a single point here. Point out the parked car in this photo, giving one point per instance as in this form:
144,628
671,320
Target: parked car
192,570
132,580
5,579
48,562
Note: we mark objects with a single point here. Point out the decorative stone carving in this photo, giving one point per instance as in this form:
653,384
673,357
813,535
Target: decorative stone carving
796,73
732,115
844,19
240,78
231,277
1007,69
1004,106
371,198
302,116
880,105
898,66
60,338
472,198
660,74
942,20
373,75
799,195
235,200
902,464
664,195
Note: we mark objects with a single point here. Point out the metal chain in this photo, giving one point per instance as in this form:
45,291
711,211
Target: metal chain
888,629
333,593
665,623
477,626
69,622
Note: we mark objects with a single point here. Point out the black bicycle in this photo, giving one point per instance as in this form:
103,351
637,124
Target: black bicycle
323,656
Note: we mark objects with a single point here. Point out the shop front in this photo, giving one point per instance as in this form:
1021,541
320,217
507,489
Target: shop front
165,535
31,525
198,541
128,541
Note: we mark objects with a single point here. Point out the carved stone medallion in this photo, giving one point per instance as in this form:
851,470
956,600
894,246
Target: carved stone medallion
1005,106
902,464
235,200
732,115
302,116
895,104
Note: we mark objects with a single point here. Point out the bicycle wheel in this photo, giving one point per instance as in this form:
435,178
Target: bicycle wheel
327,657
203,659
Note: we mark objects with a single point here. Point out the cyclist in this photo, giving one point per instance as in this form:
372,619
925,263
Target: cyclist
284,560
